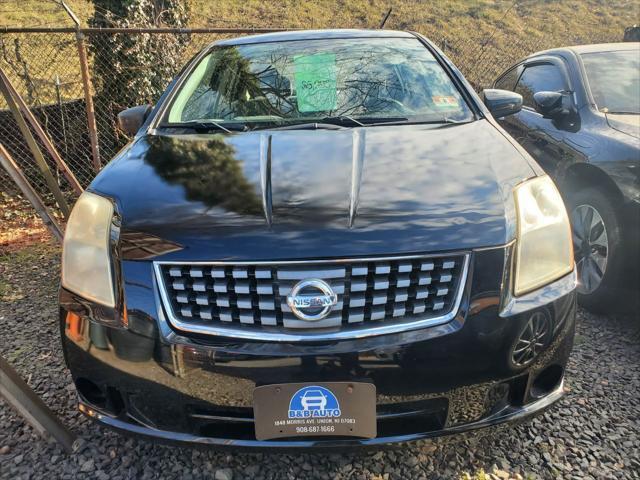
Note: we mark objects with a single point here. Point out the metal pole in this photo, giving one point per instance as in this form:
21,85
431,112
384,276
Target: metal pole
88,99
56,83
18,177
386,17
21,397
71,178
70,12
33,146
86,87
62,121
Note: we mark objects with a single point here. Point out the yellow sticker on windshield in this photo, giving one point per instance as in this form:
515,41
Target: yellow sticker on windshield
442,102
316,84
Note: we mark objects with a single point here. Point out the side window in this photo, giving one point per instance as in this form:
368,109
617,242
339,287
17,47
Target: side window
508,80
538,78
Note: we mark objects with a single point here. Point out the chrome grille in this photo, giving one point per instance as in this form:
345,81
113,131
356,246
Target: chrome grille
249,299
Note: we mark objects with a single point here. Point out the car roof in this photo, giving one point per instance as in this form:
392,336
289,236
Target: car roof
314,35
594,48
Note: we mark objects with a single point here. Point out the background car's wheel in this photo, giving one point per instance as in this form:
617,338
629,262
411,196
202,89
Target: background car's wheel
533,337
596,243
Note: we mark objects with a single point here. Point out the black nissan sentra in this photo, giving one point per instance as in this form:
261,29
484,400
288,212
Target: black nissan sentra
318,239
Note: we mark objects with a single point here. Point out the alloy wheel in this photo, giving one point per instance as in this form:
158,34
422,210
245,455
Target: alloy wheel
533,339
591,247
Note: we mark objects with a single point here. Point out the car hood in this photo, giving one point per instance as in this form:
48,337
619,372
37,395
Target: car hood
284,194
629,124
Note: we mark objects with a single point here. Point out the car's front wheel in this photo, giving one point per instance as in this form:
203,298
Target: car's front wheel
596,244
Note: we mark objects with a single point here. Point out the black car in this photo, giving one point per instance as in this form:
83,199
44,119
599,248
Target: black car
581,122
318,239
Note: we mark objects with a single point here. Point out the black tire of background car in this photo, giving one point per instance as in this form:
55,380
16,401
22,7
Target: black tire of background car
603,298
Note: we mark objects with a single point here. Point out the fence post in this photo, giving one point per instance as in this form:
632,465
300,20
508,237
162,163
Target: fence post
21,397
62,121
88,100
44,138
33,145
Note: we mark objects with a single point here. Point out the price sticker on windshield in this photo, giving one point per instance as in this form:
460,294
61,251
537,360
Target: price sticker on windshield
445,102
316,82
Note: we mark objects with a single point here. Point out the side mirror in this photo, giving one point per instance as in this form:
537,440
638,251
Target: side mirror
502,102
548,104
131,119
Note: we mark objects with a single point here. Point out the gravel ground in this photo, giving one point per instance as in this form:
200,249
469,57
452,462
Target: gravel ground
594,432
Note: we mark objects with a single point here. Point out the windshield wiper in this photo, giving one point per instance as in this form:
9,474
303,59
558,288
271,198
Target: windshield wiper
447,121
306,126
373,121
207,126
337,123
407,121
342,119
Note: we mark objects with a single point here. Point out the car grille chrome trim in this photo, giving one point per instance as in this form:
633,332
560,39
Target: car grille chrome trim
376,296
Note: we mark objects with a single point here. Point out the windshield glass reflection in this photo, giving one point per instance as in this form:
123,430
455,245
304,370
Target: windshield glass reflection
614,80
313,80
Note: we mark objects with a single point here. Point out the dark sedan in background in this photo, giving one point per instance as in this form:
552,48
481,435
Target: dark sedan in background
318,239
581,121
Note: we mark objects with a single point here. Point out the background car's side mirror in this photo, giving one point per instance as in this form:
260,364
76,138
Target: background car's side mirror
502,102
131,119
548,104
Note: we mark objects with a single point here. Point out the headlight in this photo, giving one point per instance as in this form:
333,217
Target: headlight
543,251
86,266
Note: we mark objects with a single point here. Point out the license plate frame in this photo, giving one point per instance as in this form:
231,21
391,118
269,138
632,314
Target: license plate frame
336,409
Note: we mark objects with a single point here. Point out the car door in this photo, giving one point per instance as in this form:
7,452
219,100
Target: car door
545,139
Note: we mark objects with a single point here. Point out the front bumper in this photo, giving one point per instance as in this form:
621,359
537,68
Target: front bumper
148,379
507,414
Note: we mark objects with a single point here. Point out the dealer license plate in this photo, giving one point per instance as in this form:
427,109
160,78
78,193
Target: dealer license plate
344,409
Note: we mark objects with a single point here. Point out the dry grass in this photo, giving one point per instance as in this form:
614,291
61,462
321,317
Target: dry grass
21,227
557,20
45,13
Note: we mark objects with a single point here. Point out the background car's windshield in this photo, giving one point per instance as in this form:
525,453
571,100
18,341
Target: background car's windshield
301,81
614,80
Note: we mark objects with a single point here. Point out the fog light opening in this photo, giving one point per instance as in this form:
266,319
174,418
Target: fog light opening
547,381
518,390
115,402
91,393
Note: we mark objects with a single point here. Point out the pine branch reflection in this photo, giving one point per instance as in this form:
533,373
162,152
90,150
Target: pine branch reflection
208,171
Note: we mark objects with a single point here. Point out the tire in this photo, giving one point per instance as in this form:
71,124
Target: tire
597,244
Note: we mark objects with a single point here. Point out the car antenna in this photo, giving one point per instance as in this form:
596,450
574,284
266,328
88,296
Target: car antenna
386,17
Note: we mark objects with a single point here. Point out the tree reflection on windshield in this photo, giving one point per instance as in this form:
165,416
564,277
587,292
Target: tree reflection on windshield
303,81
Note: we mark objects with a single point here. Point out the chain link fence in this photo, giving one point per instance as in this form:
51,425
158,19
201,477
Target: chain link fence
45,67
45,72
146,86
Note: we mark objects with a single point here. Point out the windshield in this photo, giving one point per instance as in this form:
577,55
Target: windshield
302,81
614,80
